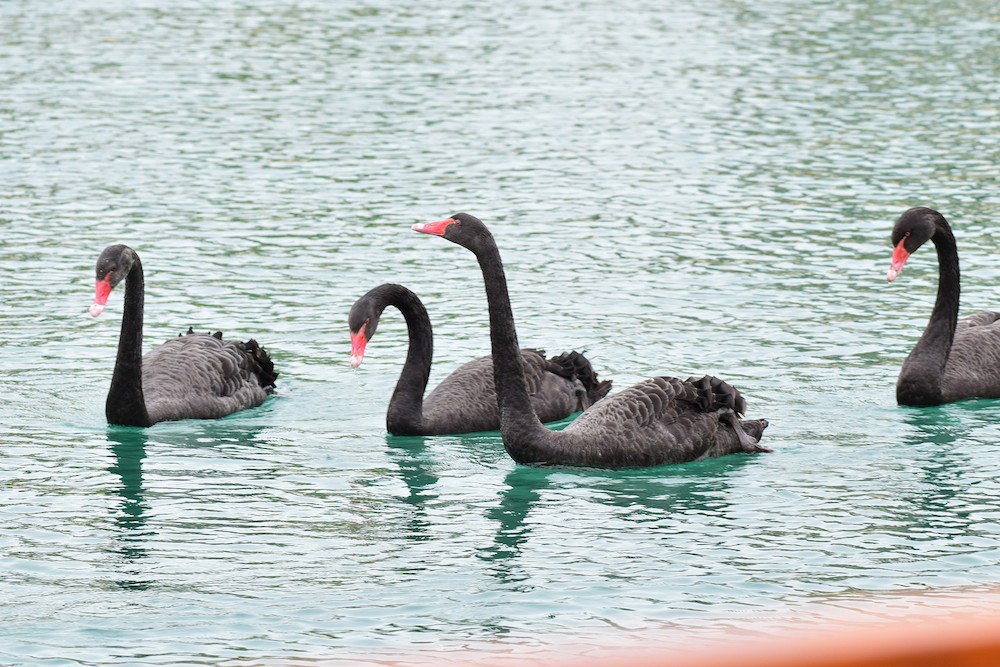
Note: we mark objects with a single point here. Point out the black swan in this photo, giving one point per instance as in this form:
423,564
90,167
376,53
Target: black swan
953,359
659,420
193,376
465,401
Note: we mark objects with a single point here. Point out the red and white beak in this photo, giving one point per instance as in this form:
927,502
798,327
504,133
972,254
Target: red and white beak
899,257
101,293
358,343
436,228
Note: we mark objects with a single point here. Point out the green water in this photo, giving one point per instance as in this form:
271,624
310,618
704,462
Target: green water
675,187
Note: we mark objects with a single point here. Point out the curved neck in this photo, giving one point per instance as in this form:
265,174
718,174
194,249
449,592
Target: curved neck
523,435
405,414
126,404
925,366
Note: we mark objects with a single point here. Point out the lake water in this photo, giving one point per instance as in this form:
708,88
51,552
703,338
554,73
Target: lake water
677,188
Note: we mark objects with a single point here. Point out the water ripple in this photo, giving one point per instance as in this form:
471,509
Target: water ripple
676,190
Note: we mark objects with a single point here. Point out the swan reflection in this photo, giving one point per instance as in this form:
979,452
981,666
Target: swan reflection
128,445
647,496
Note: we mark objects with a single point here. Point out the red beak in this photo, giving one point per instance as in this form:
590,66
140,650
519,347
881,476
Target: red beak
358,343
899,257
436,228
101,293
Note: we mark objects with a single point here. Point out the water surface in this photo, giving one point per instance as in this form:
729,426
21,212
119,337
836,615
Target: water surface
688,189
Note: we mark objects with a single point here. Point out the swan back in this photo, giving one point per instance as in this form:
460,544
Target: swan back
202,376
658,420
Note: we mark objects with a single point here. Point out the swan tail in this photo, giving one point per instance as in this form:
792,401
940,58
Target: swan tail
715,394
755,428
749,432
744,435
575,366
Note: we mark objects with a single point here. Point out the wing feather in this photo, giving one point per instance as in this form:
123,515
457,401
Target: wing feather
201,376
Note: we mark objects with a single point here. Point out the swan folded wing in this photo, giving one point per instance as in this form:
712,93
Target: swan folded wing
555,391
978,320
973,367
466,397
652,401
199,376
656,421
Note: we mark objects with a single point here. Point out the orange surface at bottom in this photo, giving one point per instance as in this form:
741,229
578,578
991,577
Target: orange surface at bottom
960,629
971,643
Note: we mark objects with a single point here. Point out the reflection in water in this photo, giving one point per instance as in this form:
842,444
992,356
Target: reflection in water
524,488
411,454
935,425
930,441
129,448
215,433
418,457
649,494
131,513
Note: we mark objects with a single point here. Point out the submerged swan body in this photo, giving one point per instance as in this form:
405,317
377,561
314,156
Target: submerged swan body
659,420
954,359
193,376
465,401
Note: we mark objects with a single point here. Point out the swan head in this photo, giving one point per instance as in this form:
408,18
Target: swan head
367,310
363,321
464,229
913,229
112,267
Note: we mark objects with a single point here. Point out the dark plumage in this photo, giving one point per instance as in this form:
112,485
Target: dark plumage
659,420
465,401
953,359
193,376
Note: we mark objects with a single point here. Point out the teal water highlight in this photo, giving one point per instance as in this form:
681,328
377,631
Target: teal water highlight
680,190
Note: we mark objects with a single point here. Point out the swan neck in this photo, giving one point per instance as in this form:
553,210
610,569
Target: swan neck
405,413
949,285
924,368
518,423
126,403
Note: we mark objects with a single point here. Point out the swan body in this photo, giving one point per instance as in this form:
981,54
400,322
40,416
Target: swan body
465,401
954,359
193,376
657,421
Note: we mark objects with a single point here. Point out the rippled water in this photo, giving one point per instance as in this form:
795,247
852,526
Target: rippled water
704,187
